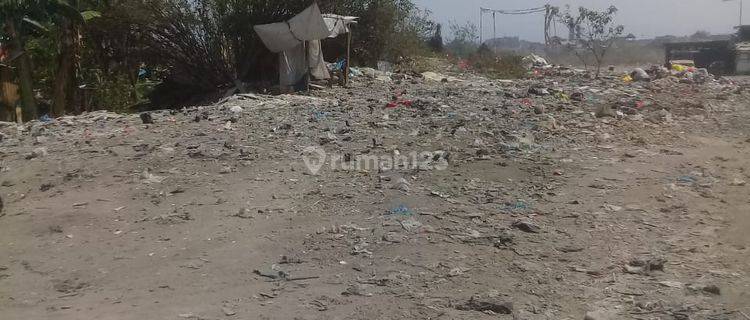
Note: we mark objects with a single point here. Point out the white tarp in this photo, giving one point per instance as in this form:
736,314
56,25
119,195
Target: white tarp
318,68
292,66
337,24
308,25
276,36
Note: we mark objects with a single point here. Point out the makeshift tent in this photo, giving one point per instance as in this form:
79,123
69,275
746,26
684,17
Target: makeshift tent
298,43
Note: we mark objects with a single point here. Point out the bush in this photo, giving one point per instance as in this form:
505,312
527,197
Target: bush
211,44
500,66
201,46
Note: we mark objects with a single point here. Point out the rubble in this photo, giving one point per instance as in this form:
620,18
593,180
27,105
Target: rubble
487,304
527,226
146,118
639,74
534,61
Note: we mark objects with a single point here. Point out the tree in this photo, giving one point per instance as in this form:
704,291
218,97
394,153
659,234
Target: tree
465,37
550,15
593,33
700,35
35,14
13,13
196,46
69,21
436,42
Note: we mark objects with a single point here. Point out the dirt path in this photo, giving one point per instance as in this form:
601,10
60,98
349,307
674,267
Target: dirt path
181,220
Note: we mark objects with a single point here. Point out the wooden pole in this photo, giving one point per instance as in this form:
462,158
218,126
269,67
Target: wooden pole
308,77
348,56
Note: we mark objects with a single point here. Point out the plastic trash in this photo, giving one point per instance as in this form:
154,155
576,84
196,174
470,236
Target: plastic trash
355,72
535,61
679,67
395,104
385,66
687,179
639,74
402,210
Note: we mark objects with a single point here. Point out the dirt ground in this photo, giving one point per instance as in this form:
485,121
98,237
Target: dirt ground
544,211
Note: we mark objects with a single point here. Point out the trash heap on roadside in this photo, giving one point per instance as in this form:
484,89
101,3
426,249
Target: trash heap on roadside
680,73
481,115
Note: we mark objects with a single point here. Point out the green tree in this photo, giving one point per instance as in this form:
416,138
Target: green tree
464,40
69,21
436,42
14,13
27,18
594,33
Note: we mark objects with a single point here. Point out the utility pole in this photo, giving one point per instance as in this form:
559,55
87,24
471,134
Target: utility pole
481,25
741,9
494,30
546,25
545,8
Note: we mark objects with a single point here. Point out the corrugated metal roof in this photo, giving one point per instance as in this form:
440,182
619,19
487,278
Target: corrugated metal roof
742,46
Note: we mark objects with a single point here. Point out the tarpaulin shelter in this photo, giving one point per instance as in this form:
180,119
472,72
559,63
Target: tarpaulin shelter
298,43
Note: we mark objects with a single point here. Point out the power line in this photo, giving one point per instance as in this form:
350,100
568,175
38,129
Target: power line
483,11
521,11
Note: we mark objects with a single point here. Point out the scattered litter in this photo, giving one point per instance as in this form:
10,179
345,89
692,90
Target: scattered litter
402,210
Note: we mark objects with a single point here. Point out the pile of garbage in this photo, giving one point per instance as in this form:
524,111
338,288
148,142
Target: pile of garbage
684,74
533,61
553,99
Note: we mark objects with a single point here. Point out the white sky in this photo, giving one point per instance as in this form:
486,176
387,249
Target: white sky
644,18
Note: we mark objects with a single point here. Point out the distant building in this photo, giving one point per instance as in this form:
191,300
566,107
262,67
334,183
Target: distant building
720,54
742,50
742,62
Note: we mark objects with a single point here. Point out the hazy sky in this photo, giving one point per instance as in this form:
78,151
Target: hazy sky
644,18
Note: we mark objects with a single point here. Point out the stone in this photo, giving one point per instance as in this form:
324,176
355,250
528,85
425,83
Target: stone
228,311
604,110
527,226
37,153
485,304
146,118
411,225
539,109
236,109
393,237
